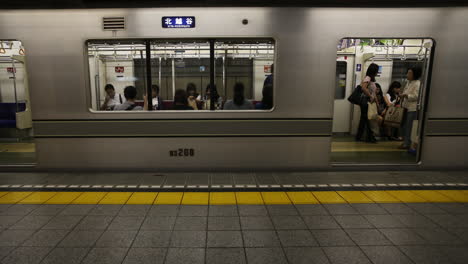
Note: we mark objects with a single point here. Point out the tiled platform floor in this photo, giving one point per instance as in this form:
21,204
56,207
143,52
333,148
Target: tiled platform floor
309,233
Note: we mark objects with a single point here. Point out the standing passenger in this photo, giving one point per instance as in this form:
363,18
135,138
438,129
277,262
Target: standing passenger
239,102
409,102
130,93
112,98
368,88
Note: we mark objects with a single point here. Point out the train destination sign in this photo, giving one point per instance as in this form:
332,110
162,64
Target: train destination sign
178,22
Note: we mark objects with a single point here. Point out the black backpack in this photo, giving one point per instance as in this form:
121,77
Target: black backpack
358,97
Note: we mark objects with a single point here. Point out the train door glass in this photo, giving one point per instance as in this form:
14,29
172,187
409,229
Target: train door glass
16,137
389,132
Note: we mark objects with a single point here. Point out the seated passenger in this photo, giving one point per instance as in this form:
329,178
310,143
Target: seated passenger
112,98
239,102
156,102
380,100
130,93
267,100
207,98
192,96
180,100
392,98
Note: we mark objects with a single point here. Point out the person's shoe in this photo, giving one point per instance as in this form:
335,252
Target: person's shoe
412,152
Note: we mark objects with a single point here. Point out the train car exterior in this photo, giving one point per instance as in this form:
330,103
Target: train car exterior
296,134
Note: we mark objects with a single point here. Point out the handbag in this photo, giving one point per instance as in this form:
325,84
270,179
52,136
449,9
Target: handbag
372,112
357,97
394,116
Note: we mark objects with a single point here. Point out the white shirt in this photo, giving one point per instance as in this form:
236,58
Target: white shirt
115,101
412,90
155,102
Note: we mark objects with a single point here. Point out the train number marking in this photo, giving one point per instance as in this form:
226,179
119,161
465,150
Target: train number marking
182,152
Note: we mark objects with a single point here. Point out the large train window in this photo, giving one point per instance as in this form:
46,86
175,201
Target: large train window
182,74
380,124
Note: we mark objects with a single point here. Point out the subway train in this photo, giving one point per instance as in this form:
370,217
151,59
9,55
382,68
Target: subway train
68,56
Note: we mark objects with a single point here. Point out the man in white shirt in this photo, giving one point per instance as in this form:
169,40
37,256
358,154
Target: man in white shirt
112,99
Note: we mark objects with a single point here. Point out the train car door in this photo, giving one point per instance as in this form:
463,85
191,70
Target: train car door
343,88
391,133
16,139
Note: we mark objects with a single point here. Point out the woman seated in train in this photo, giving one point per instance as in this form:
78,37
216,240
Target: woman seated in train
130,93
192,96
381,107
112,98
239,102
392,98
267,99
368,88
180,100
207,98
157,102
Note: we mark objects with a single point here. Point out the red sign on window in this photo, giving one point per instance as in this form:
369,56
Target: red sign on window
267,68
11,70
119,69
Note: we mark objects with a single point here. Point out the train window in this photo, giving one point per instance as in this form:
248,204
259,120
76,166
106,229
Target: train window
384,128
16,135
113,66
181,73
340,80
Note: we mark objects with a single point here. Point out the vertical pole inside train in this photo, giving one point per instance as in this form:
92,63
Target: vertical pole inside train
148,76
212,74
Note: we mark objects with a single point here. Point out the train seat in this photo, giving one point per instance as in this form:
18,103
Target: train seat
8,114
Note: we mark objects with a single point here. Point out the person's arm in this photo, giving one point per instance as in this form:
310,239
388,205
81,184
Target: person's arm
145,102
387,102
365,89
104,105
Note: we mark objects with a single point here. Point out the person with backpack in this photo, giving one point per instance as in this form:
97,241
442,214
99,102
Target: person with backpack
130,93
112,98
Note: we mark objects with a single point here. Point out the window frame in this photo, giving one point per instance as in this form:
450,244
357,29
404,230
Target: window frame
148,42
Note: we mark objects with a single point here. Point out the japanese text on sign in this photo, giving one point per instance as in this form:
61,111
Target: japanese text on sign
178,22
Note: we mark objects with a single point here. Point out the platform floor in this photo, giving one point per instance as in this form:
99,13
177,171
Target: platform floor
237,233
330,217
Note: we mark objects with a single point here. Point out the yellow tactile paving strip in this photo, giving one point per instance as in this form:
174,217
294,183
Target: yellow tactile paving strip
224,198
